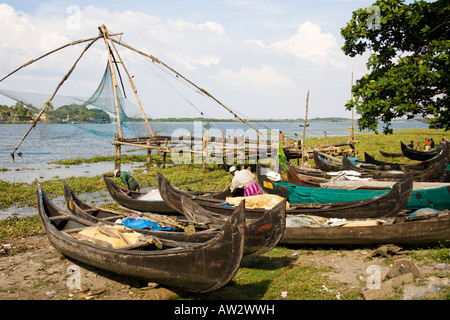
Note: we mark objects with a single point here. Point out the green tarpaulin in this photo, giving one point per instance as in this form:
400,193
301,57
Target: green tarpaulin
438,198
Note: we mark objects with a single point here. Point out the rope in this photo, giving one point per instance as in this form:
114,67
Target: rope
78,152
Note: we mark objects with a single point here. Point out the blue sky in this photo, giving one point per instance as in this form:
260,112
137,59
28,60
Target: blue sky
257,57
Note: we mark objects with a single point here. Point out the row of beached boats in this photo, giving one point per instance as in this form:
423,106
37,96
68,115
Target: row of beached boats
198,239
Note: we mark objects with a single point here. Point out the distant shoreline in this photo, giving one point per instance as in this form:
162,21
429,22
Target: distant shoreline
330,119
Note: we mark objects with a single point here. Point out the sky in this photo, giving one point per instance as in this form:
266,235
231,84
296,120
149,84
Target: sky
259,58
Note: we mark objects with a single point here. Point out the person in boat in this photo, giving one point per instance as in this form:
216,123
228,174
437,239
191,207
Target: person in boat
431,143
128,180
244,183
411,145
427,144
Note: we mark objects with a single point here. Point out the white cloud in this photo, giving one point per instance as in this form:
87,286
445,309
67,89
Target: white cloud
265,77
213,27
20,31
311,44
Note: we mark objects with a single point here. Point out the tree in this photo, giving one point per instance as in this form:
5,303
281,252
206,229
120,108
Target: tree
20,113
409,62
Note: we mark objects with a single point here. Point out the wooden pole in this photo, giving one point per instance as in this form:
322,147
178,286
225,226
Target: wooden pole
132,84
149,151
304,153
117,150
114,79
54,93
352,132
204,145
49,53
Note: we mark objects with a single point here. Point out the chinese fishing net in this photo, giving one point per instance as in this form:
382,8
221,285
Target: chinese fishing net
98,112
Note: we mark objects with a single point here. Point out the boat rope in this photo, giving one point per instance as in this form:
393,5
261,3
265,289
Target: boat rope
51,152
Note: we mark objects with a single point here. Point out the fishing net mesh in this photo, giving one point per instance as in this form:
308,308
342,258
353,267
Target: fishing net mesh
102,99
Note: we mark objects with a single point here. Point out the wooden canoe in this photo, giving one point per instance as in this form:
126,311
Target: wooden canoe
388,204
400,230
195,267
294,177
418,155
325,165
435,172
133,200
302,179
391,154
381,203
261,235
422,165
82,209
423,195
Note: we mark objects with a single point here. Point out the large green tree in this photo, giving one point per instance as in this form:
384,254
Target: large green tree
409,47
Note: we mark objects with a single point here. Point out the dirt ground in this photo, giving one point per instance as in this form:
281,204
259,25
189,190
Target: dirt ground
31,269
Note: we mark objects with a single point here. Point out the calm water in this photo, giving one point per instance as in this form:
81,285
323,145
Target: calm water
52,142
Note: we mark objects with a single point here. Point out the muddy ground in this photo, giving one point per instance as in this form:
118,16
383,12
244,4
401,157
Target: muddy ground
31,269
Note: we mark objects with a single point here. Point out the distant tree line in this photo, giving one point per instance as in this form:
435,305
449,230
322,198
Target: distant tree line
79,113
69,113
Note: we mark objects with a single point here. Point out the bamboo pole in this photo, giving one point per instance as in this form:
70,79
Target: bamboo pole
131,83
113,75
54,93
49,53
187,80
304,153
352,132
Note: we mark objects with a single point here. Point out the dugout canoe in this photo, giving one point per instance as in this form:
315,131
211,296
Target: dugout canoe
325,165
82,209
388,203
294,177
428,195
342,203
435,172
422,165
261,235
391,154
192,267
402,230
418,155
302,179
134,200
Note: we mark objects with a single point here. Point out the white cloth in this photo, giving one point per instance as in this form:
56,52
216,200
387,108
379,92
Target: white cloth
241,179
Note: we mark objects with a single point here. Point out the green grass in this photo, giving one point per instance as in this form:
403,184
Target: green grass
20,228
265,278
